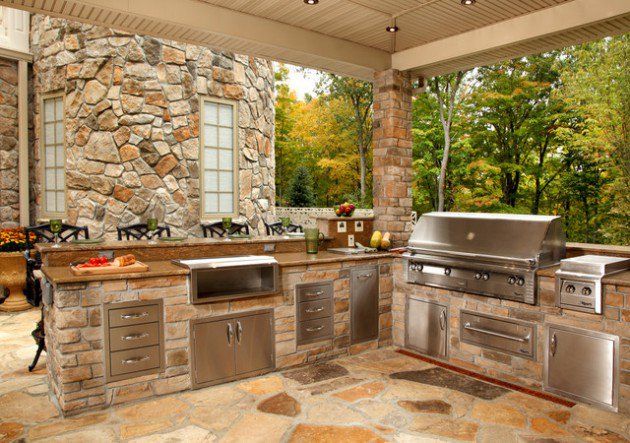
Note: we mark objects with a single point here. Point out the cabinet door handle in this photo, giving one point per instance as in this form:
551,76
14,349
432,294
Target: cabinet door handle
497,334
443,320
131,337
313,310
230,333
365,276
313,294
134,316
239,331
586,303
553,345
318,328
131,361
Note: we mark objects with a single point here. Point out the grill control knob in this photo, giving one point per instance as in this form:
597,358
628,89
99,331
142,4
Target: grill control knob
586,291
447,271
520,281
478,276
485,276
570,289
511,280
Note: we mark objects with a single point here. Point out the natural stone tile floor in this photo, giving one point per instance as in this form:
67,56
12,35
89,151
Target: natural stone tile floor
371,397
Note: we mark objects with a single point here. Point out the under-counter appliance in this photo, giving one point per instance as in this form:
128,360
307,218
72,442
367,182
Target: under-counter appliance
426,327
229,278
579,281
496,255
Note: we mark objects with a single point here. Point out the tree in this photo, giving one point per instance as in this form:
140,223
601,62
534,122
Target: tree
301,189
445,88
359,94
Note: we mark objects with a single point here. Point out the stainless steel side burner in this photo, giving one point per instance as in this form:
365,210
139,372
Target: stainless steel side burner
579,281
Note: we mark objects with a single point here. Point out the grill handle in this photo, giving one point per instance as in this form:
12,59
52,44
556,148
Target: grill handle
497,334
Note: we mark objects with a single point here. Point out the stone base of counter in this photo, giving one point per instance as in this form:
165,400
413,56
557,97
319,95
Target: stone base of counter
74,331
521,371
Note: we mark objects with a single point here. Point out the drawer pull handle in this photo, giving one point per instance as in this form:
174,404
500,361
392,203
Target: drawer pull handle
318,328
313,310
134,316
135,336
313,294
365,276
131,361
497,334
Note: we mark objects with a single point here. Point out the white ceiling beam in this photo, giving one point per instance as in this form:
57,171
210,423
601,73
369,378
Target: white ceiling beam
554,20
235,31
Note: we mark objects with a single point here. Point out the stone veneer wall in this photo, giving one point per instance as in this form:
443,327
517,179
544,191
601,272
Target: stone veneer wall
615,320
9,186
74,331
132,123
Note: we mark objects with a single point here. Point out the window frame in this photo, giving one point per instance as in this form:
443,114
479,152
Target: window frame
207,216
44,213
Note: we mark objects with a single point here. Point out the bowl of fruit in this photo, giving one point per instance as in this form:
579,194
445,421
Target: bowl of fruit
345,210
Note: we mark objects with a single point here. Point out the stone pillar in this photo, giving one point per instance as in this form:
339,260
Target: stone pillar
392,171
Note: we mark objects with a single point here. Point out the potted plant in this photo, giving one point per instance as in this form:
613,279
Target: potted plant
13,268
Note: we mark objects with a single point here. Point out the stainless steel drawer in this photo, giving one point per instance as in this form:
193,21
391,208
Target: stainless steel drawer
137,336
503,334
310,310
583,365
134,360
314,291
133,315
313,330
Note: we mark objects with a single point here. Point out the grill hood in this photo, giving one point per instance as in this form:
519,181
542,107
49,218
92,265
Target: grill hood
524,240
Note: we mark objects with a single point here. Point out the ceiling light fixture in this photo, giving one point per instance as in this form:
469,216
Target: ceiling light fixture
468,2
311,2
392,28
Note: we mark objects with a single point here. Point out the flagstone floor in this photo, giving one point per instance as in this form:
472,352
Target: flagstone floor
372,397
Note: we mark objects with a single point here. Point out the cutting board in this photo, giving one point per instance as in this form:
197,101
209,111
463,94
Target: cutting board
108,270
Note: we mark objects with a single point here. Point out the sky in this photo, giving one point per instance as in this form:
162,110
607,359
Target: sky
302,81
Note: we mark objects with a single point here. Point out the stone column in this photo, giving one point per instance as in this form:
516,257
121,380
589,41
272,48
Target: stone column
392,171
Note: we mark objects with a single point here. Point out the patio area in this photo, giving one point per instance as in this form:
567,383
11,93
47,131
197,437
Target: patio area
353,399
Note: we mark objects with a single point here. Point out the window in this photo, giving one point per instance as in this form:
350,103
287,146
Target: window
219,159
53,157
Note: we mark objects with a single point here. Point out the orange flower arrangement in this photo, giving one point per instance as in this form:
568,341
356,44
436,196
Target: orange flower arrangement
14,239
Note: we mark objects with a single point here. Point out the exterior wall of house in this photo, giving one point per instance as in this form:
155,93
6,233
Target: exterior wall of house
9,204
132,124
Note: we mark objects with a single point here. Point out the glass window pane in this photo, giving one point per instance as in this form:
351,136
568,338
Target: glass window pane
61,201
61,179
59,108
225,115
210,135
49,133
211,203
210,181
51,180
50,201
225,181
226,203
225,159
50,156
59,133
210,113
60,159
49,110
225,137
210,158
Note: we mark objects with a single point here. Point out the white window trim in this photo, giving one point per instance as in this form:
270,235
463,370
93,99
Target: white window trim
44,214
235,158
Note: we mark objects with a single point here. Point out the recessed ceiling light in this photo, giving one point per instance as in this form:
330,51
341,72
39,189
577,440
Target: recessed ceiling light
311,2
392,28
468,2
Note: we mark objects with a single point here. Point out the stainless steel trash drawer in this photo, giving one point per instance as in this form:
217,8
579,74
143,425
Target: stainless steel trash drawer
583,365
364,293
503,334
426,327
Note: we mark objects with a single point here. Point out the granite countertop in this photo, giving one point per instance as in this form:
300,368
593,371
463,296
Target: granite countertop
63,274
621,278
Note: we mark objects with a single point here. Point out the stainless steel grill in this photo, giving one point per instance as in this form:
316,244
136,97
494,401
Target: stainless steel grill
490,254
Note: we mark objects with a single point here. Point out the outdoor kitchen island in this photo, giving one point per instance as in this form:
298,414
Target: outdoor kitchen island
98,325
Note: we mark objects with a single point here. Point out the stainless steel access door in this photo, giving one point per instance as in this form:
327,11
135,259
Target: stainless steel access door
213,350
364,289
254,343
427,327
583,365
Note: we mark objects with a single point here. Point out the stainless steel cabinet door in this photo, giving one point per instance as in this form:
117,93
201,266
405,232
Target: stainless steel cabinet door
427,327
214,350
583,365
364,301
254,343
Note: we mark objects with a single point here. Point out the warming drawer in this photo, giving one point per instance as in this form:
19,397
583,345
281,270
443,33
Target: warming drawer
502,334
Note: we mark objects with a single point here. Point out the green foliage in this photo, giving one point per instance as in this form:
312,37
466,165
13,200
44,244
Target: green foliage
301,189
